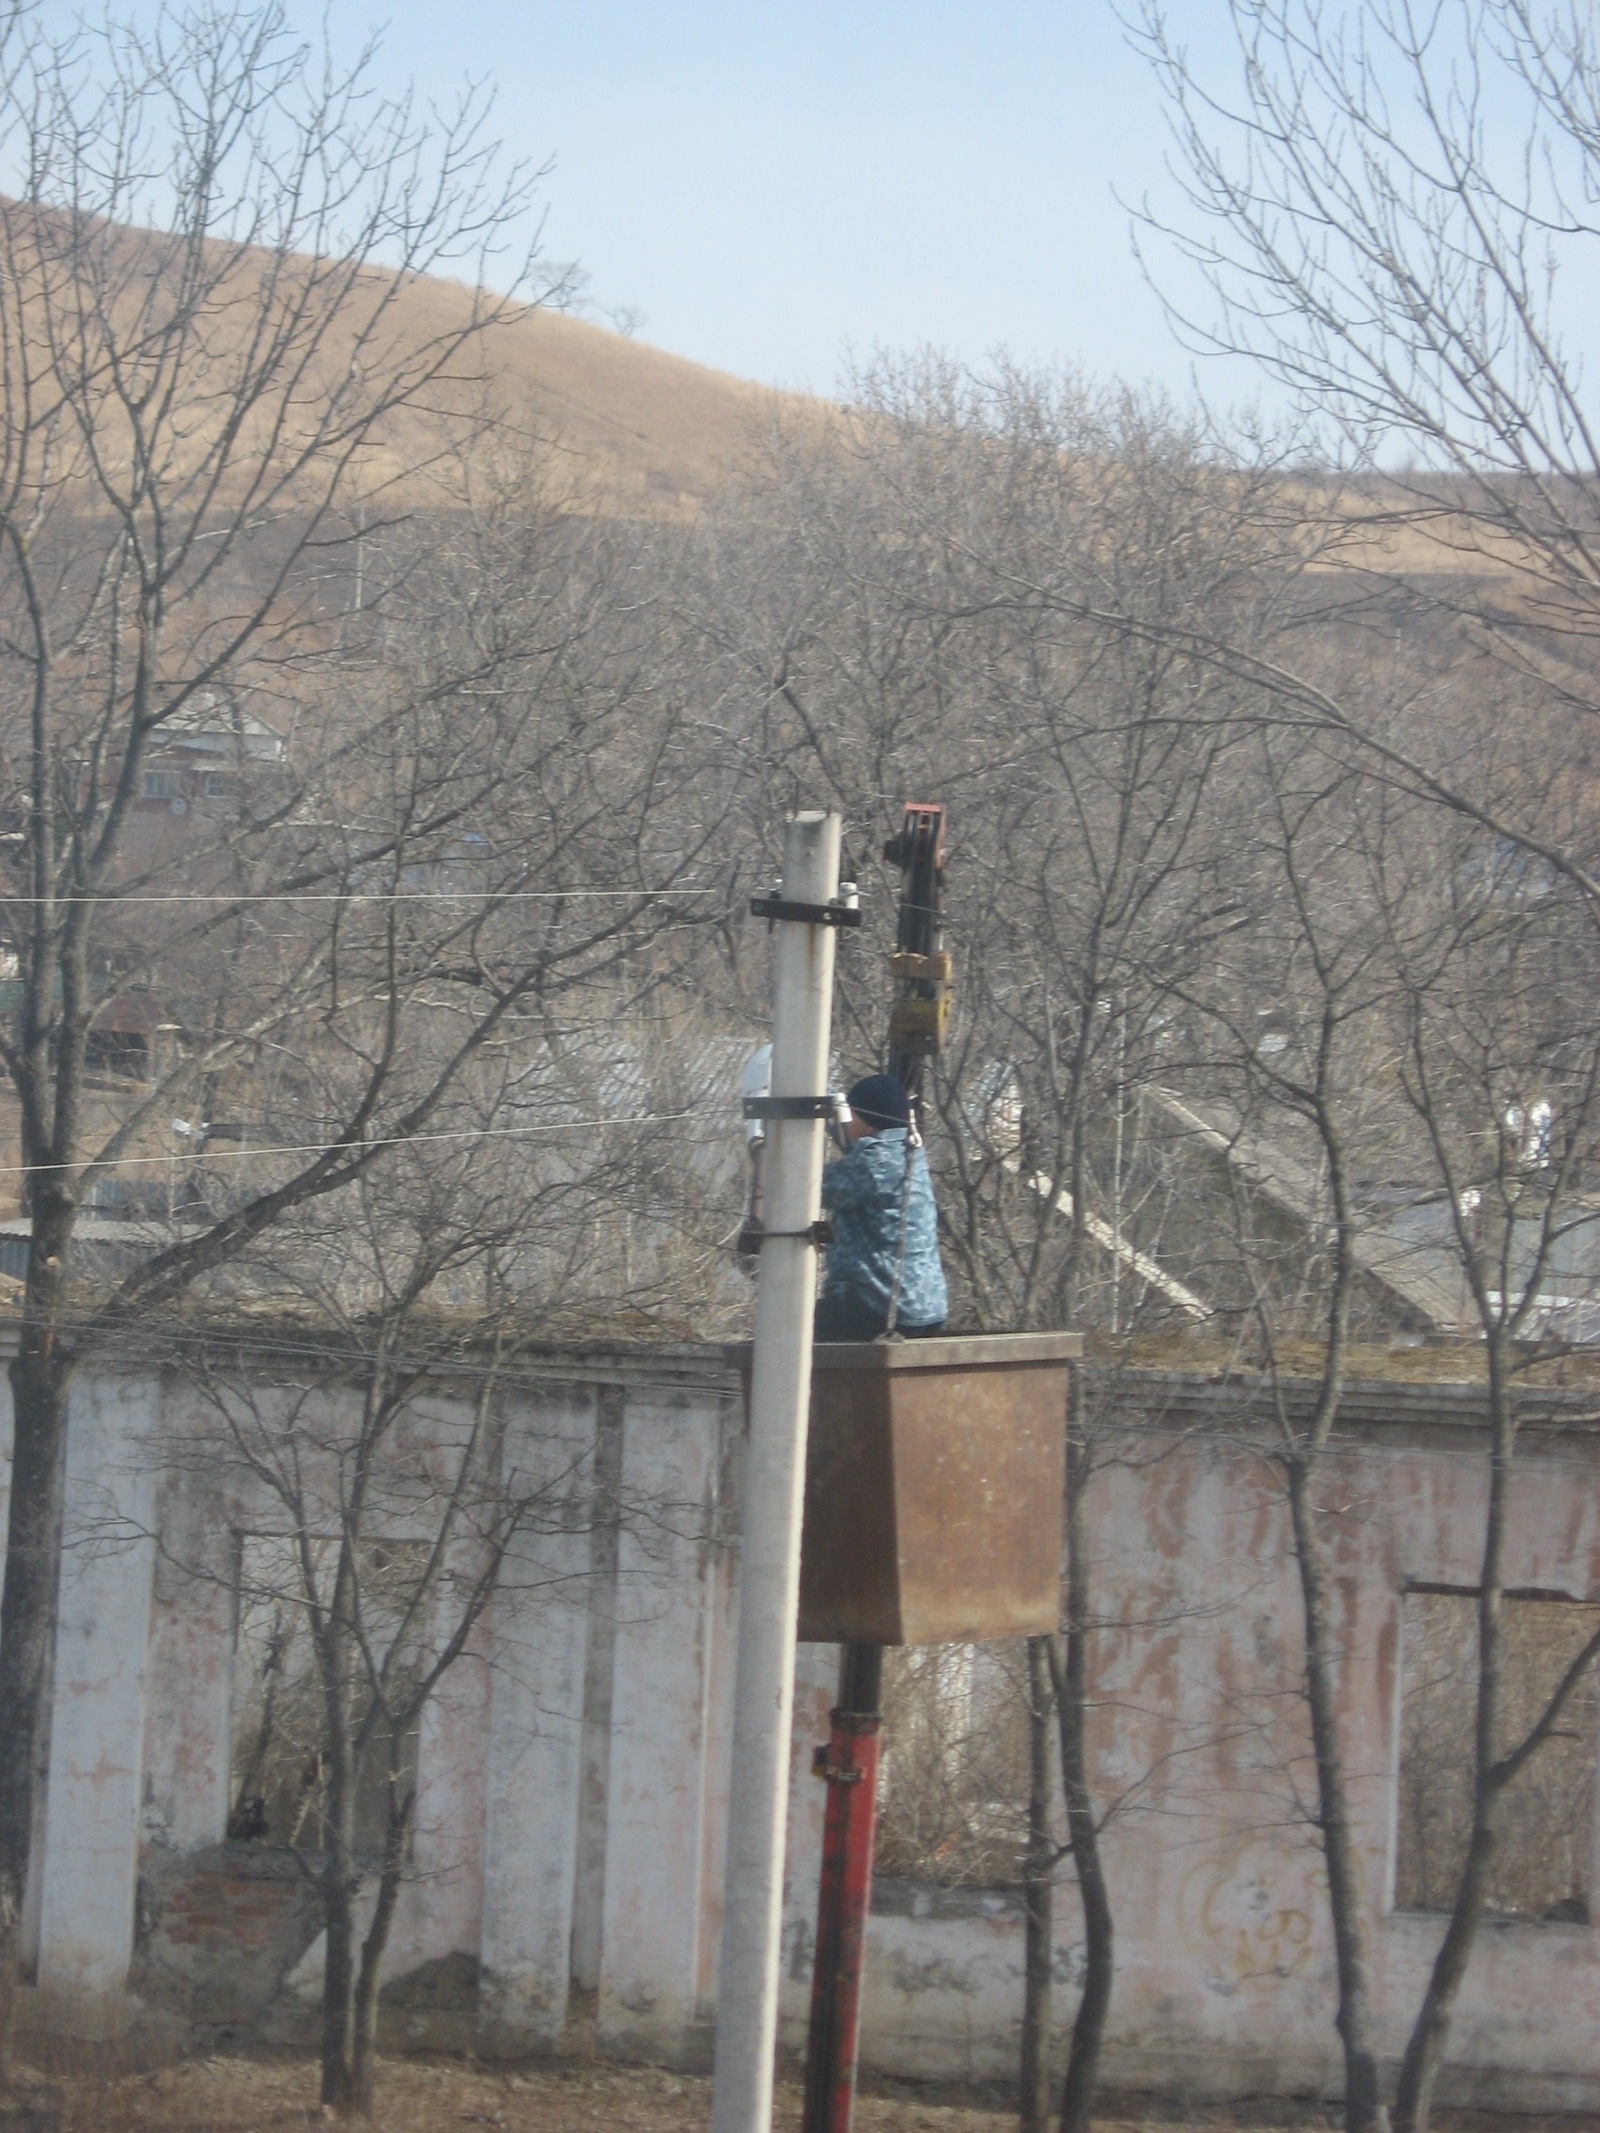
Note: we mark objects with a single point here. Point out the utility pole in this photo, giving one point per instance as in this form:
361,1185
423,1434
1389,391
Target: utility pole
806,913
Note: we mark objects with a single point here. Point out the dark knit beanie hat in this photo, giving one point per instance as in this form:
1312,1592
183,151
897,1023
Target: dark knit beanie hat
879,1100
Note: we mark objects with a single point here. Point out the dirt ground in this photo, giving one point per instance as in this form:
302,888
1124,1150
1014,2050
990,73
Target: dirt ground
239,2095
418,2096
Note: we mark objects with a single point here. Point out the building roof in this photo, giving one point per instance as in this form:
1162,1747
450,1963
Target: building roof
1395,1255
215,722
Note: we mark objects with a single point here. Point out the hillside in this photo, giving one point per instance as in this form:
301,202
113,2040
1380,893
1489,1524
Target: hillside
645,432
632,430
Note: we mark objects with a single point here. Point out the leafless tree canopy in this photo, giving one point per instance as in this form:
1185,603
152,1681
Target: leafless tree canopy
331,755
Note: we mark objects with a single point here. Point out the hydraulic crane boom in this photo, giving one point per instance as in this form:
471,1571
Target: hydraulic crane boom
921,969
920,964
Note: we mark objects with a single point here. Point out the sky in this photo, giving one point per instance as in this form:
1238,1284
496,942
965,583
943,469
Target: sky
776,187
778,190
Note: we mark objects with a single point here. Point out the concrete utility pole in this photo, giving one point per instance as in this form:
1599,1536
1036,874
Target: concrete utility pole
780,1399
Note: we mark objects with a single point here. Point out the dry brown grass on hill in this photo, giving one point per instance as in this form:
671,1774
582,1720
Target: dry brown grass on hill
645,431
635,431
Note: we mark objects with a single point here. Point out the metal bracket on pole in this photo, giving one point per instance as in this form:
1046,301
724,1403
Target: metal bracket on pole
790,1106
773,908
754,1235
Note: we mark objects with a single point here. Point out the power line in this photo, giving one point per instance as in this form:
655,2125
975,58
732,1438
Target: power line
114,897
398,1140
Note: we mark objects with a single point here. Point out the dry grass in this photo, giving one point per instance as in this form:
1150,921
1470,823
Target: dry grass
632,430
638,432
415,2096
278,2095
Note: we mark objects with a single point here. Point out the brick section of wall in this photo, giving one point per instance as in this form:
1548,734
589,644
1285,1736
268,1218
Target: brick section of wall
219,1930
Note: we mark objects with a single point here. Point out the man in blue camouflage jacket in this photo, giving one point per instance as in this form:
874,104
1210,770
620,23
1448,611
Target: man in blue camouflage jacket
863,1194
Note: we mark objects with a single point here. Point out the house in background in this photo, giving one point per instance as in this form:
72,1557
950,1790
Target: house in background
209,757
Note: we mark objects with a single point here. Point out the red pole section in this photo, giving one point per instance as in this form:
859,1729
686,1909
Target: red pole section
849,1764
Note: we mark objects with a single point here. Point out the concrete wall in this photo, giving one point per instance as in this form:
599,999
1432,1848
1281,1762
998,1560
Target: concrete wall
1214,1852
573,1771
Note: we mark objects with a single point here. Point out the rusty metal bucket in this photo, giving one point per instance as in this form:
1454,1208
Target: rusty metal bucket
934,1476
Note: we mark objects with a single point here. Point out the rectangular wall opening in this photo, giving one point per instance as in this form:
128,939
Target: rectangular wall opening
278,1782
1544,1862
955,1764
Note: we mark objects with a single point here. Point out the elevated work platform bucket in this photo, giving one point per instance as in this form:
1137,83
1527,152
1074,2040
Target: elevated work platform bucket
934,1479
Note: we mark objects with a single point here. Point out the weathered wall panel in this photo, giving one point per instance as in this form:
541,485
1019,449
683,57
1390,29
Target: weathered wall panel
572,1775
650,1965
97,1726
540,1629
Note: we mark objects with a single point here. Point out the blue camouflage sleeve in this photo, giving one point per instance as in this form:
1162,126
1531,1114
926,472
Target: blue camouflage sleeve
847,1184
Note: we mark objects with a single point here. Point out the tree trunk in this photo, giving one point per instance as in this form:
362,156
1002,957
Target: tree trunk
1038,1867
340,1879
364,2028
1363,2099
363,2066
339,1885
1424,2054
1425,2047
1069,1669
39,1380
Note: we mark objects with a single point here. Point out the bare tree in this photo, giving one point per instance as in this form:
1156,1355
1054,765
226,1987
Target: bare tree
388,1510
383,1497
1510,1104
1392,215
1038,1879
438,806
1301,1002
1169,831
1389,216
903,601
1428,1024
